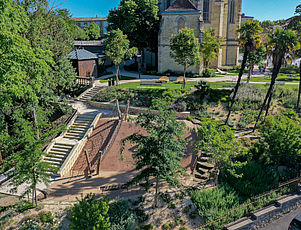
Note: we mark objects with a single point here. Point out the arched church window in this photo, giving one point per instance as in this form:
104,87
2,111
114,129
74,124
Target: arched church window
181,23
206,10
231,11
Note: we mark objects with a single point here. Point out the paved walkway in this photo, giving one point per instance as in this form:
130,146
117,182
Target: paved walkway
232,79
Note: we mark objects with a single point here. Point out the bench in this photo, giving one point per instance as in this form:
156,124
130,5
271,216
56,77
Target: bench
151,83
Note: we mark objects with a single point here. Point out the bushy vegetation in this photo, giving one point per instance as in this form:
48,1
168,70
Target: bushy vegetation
208,73
90,213
121,217
290,69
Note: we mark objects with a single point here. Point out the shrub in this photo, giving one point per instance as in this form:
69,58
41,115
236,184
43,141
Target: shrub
289,69
252,179
183,228
121,217
46,217
141,215
247,117
208,73
215,202
30,225
90,213
24,205
145,227
280,143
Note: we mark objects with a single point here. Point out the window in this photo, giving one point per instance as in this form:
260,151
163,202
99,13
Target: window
181,23
206,9
231,11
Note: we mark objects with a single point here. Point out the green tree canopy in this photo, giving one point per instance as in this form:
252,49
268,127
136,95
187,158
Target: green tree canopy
185,49
92,31
117,48
139,20
90,214
159,152
210,46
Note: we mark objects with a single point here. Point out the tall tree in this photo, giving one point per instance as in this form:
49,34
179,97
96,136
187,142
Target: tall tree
295,24
139,20
282,42
210,47
249,39
185,49
92,31
159,152
117,48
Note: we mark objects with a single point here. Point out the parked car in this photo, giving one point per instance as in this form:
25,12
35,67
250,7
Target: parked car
296,223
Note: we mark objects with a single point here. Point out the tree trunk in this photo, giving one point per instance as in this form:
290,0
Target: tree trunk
184,76
118,109
249,75
36,122
156,193
243,66
127,109
117,74
269,102
299,95
275,73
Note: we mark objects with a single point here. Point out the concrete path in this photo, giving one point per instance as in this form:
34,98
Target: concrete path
283,222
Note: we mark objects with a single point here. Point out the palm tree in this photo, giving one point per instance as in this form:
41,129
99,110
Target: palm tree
249,39
282,43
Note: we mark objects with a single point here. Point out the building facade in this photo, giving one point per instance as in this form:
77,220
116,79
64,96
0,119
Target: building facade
100,21
224,16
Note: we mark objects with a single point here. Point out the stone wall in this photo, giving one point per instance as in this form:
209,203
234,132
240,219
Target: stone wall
169,26
262,217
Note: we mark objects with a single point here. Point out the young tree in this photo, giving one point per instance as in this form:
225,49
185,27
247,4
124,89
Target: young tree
219,141
185,49
90,214
117,48
92,31
283,42
210,47
139,20
159,152
249,38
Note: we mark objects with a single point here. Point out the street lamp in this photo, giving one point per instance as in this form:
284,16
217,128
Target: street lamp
139,64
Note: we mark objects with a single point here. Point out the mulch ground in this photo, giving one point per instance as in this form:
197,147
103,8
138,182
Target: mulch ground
112,161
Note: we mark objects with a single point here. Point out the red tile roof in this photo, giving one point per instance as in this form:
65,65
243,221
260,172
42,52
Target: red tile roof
182,5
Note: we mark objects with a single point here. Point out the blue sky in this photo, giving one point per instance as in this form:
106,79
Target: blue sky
260,9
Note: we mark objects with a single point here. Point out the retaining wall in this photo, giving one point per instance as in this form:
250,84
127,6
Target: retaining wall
132,109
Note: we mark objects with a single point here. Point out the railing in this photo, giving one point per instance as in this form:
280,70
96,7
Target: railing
254,200
86,81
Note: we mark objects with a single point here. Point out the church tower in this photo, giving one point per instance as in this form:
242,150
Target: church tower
222,15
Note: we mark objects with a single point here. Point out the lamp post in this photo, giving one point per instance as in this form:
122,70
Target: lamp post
139,64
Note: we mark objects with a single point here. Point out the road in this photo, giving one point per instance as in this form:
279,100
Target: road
283,222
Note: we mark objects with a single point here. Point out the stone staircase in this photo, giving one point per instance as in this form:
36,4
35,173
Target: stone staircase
79,127
203,169
58,154
90,93
64,150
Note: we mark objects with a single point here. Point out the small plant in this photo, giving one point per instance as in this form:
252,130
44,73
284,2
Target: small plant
165,226
166,197
46,217
30,225
183,228
24,205
171,205
141,215
147,227
186,209
180,220
192,215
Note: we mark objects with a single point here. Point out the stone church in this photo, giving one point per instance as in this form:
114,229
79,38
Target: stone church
221,15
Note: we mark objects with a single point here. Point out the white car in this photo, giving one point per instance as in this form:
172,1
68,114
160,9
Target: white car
296,223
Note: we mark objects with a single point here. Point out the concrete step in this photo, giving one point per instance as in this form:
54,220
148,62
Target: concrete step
77,131
205,176
62,146
54,159
80,124
205,165
54,163
60,150
56,156
202,170
72,137
204,159
53,152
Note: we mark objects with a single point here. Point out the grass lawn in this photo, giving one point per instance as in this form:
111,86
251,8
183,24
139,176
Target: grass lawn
294,79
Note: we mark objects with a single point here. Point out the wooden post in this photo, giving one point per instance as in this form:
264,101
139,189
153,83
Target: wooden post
98,162
118,109
88,161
